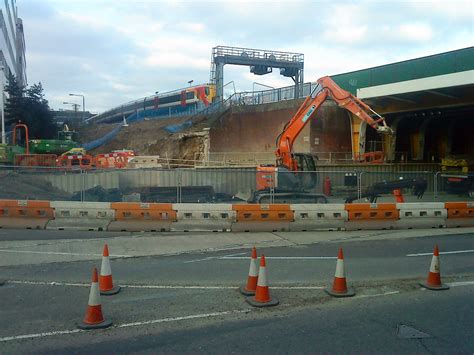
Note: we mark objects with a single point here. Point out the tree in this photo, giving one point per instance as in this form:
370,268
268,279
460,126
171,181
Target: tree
29,106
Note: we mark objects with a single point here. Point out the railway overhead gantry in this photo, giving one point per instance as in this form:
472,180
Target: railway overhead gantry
260,61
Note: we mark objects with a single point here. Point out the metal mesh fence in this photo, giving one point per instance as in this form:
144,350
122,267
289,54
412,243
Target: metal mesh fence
228,185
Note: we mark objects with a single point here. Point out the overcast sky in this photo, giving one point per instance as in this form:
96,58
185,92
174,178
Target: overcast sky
117,51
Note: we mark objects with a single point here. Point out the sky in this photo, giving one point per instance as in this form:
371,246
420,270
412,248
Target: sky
116,51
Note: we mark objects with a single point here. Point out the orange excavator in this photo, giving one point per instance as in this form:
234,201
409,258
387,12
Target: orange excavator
294,173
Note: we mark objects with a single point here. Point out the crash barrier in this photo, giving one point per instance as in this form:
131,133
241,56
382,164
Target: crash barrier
147,217
203,217
111,160
421,215
262,218
307,217
136,217
460,214
91,216
82,162
371,216
18,214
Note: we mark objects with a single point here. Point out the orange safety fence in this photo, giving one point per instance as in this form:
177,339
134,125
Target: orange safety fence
111,160
372,211
75,161
372,157
44,160
262,213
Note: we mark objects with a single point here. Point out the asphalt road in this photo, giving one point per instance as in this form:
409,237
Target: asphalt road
188,301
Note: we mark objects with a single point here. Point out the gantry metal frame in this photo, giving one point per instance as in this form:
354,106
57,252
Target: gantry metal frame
260,61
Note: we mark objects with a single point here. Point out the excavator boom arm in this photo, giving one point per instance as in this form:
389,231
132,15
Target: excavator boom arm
308,110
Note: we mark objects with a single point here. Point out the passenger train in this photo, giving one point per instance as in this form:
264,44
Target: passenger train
179,102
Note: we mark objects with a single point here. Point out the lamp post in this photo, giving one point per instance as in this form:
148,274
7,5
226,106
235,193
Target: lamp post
83,105
73,105
3,106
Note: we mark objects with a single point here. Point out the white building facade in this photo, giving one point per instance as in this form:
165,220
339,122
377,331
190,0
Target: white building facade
12,50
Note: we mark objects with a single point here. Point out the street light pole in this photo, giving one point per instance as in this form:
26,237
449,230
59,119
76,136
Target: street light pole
3,107
83,106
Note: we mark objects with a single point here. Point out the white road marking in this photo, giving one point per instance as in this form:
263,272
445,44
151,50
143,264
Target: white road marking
213,257
197,260
59,253
460,283
175,319
444,252
192,287
126,325
173,287
281,258
48,283
41,335
378,294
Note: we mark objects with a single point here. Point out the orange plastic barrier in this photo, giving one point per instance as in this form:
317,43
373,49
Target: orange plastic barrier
460,214
372,157
25,214
48,160
75,161
257,217
371,215
136,217
111,160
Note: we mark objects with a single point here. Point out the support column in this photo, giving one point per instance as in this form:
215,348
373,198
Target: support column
358,129
219,82
421,142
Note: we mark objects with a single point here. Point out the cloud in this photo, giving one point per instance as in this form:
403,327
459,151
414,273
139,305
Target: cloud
415,32
117,51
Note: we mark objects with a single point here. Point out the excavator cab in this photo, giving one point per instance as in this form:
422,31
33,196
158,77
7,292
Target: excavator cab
306,170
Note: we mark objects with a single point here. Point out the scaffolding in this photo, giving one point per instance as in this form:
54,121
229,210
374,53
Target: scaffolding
260,61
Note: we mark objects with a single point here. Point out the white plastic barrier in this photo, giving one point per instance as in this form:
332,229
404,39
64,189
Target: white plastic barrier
309,217
91,216
421,215
203,217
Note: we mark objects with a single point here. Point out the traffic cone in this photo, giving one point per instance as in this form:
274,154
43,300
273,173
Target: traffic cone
262,296
249,289
106,284
339,287
94,318
434,277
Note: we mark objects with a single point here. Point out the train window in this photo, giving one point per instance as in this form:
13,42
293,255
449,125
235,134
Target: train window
207,90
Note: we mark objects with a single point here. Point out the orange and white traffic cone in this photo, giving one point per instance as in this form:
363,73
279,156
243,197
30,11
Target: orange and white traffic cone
262,296
94,318
106,283
251,287
339,287
434,277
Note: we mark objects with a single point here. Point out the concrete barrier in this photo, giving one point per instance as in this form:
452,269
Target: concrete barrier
309,217
146,217
460,214
262,218
421,215
203,217
25,214
371,216
91,216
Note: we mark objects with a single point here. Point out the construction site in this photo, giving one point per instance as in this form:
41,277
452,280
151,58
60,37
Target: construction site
191,196
334,139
